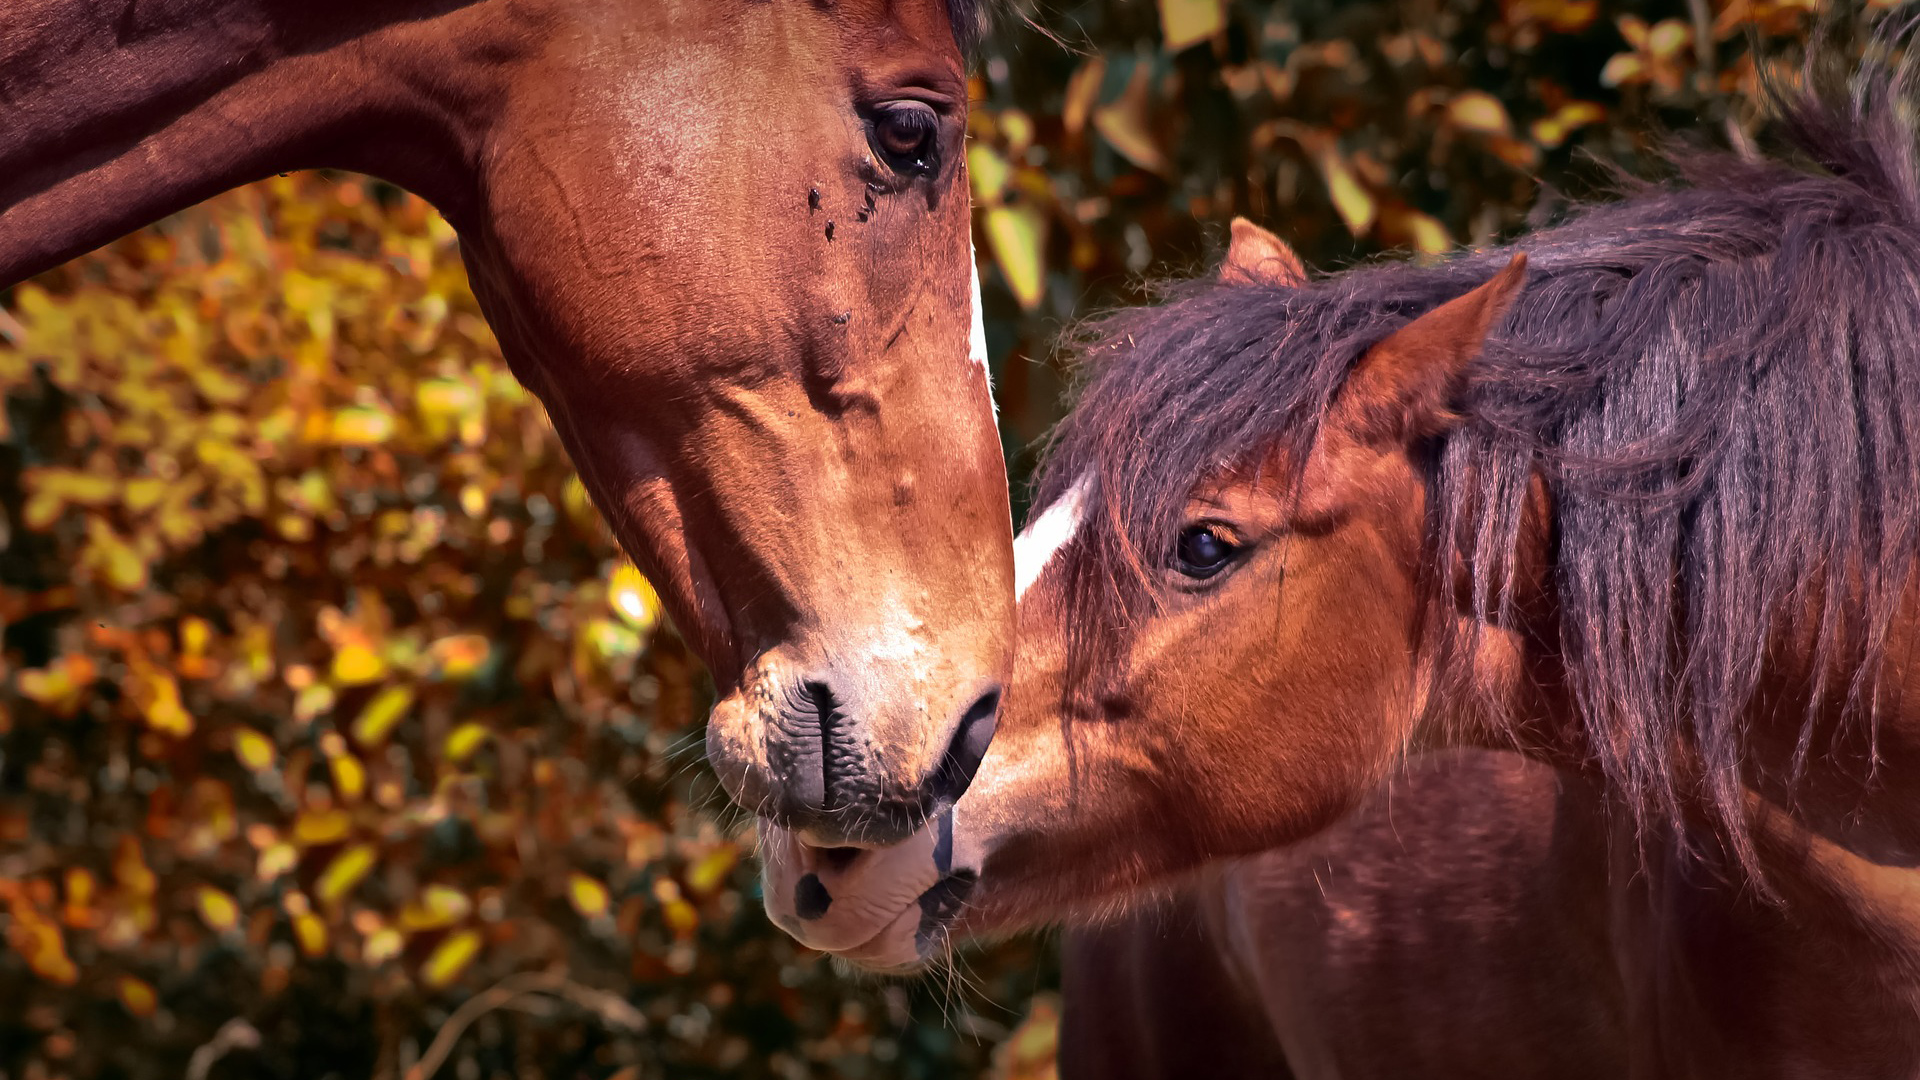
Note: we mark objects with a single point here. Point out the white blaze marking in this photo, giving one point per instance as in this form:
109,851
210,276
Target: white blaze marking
977,346
1044,536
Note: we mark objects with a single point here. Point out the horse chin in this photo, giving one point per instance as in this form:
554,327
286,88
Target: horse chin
884,910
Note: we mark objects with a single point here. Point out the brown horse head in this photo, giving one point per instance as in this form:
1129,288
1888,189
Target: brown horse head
725,242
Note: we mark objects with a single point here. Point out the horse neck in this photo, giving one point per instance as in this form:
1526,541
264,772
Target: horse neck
1823,980
118,115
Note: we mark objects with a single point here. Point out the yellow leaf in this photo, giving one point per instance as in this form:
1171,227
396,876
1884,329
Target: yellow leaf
1477,110
437,907
1189,22
464,740
40,942
579,504
1017,128
473,500
1634,29
137,996
1668,37
144,494
116,559
632,595
349,777
1356,207
311,933
710,872
321,826
346,870
589,896
989,173
1429,236
1623,69
159,698
382,945
130,869
681,918
450,958
447,398
1017,235
255,751
1083,91
610,640
195,635
217,909
313,700
1576,113
276,859
1124,125
381,715
361,426
61,686
356,664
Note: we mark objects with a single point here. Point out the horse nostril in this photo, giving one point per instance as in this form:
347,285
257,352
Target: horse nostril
969,745
811,898
837,859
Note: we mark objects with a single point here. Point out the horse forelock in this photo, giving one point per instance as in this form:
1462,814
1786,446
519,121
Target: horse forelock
969,19
1718,377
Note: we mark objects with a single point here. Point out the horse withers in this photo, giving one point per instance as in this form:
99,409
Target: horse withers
727,244
1636,496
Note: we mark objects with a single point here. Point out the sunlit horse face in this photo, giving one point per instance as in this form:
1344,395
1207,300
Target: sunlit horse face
724,241
1268,689
727,243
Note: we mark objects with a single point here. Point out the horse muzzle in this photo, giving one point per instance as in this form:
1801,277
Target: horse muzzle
846,759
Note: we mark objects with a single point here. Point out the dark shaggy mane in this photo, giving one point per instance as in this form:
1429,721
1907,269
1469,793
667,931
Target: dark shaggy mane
969,19
1719,379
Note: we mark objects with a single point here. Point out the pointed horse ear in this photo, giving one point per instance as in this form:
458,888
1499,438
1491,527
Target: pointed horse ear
1402,388
1257,257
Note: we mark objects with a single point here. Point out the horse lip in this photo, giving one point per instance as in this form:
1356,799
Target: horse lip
940,906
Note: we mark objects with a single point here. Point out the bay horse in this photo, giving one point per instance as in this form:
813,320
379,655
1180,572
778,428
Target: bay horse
725,242
1637,497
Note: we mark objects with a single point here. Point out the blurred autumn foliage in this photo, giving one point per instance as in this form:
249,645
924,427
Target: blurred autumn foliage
337,740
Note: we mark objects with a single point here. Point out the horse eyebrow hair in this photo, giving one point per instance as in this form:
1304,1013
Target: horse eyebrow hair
1044,536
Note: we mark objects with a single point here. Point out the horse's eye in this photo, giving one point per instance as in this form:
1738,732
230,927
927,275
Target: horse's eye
904,133
1202,552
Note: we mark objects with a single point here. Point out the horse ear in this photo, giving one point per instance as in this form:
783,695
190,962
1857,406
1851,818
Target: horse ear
1400,390
1257,257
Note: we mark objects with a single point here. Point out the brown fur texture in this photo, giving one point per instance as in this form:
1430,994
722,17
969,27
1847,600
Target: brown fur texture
1486,916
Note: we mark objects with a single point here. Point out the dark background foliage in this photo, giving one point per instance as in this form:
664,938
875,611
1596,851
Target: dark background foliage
332,724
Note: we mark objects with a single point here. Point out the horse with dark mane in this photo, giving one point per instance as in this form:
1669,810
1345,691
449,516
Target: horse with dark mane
726,242
1637,496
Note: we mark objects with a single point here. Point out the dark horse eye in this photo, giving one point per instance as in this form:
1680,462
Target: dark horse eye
904,133
1201,552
